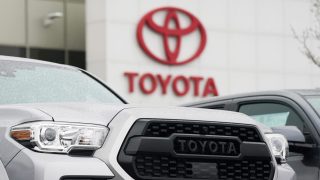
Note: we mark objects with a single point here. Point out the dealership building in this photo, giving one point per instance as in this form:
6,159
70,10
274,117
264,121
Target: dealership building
167,51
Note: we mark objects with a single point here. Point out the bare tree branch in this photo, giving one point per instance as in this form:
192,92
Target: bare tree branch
310,35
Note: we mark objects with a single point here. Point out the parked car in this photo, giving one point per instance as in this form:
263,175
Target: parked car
58,122
293,113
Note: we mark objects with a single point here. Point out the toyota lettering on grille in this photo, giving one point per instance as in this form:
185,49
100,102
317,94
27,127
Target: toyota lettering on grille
207,146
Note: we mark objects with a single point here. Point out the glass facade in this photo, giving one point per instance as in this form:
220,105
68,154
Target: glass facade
50,30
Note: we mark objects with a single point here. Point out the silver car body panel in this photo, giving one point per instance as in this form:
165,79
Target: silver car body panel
29,165
3,172
100,114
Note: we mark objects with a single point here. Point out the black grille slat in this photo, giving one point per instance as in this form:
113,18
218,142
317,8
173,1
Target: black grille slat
161,129
239,170
168,167
160,166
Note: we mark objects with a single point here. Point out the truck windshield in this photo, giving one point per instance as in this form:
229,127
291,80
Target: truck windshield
315,102
29,82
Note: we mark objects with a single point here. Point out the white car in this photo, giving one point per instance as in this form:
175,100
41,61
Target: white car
58,122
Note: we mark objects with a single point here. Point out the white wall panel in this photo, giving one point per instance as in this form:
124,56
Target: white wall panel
296,15
270,50
270,81
242,15
242,51
96,10
297,81
295,60
241,82
122,11
270,17
216,53
218,11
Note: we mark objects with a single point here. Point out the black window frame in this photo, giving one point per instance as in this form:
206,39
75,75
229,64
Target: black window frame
218,105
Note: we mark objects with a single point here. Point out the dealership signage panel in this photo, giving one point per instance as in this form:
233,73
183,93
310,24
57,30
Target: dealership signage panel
175,24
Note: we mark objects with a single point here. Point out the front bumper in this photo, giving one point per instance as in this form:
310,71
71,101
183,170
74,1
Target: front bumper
285,172
29,165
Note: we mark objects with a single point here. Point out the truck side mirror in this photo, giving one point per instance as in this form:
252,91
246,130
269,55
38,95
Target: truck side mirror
292,133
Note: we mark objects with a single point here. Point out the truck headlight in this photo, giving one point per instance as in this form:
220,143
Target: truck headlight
279,146
59,137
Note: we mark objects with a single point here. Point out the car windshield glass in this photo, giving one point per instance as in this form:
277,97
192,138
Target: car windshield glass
315,102
26,82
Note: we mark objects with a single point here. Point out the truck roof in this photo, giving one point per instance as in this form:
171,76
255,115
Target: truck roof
290,93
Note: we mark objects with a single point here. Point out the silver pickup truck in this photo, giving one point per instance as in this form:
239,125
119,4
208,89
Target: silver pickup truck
58,122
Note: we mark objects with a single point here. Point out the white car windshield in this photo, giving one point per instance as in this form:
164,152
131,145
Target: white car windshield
31,82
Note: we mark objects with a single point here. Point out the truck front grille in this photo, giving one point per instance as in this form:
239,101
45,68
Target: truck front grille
176,150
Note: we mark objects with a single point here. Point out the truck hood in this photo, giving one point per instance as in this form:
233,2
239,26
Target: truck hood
103,114
89,113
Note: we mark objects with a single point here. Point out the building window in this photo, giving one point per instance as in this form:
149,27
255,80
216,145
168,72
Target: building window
27,32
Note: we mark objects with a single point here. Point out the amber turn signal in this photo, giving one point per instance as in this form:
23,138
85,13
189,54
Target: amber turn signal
21,135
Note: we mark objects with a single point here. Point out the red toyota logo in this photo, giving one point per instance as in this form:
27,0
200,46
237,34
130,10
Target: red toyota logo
166,31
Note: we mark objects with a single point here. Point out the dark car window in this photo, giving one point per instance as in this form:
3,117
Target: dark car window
25,82
273,114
